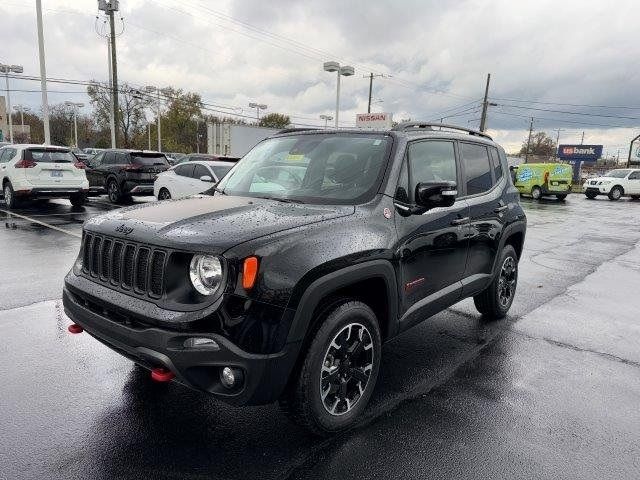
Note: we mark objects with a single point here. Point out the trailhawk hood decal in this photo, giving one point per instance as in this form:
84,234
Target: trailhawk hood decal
212,223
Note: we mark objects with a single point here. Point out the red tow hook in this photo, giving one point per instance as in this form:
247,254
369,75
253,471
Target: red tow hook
162,375
75,328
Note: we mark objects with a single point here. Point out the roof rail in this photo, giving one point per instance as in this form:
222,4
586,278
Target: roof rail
408,126
296,129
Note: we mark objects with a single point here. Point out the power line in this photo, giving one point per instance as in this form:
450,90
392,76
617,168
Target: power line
564,104
561,121
620,117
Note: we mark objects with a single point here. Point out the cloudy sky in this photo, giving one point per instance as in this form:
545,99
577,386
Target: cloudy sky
568,64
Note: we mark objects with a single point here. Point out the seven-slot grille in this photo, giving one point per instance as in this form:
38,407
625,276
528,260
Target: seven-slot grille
124,264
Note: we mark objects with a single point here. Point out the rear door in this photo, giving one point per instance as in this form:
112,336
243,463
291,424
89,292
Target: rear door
483,184
94,177
53,167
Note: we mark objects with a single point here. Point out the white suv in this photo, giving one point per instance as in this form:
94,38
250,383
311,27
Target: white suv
615,184
41,171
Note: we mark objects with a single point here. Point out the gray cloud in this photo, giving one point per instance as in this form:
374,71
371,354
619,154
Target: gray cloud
437,54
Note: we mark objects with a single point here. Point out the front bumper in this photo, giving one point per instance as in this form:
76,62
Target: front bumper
265,375
596,189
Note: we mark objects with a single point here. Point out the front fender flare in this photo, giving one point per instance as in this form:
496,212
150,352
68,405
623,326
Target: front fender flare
331,282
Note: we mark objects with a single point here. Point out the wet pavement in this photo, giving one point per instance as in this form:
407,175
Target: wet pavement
551,392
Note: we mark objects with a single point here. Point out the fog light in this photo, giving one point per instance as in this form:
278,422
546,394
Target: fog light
227,377
201,342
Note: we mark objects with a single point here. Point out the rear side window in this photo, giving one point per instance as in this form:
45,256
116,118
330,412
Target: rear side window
7,154
43,155
121,159
431,161
635,175
477,169
495,163
184,170
146,159
200,171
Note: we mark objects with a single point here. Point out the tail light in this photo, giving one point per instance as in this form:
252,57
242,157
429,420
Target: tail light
132,167
25,164
80,165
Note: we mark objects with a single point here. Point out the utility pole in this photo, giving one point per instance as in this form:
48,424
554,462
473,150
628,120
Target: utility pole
526,155
112,112
371,76
582,140
485,105
109,7
43,74
558,130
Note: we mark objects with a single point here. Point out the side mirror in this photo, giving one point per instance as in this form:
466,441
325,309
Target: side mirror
206,178
435,194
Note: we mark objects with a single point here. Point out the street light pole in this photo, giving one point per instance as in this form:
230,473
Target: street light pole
150,89
43,74
6,69
345,70
326,119
258,107
75,107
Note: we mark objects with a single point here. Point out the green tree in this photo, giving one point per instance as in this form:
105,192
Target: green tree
131,119
181,121
541,144
275,120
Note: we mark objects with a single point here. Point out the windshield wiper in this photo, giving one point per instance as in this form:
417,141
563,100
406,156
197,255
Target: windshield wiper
216,189
282,199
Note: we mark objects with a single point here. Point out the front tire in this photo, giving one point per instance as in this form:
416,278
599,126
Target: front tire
164,194
10,199
615,193
339,372
494,302
536,193
561,196
590,195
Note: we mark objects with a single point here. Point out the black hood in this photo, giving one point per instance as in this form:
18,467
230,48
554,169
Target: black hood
209,223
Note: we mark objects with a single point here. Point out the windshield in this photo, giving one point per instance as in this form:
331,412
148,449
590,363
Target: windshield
319,168
44,155
157,159
617,173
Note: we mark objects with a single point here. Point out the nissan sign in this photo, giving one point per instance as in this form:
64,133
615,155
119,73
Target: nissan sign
580,153
377,121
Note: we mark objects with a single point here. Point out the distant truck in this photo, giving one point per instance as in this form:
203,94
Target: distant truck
539,179
234,140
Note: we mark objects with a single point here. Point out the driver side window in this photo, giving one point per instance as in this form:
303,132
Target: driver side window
430,161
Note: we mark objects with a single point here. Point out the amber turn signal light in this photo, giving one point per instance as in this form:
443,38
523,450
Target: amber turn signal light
249,272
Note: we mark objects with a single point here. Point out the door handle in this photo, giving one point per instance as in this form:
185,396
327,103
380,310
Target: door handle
460,221
501,208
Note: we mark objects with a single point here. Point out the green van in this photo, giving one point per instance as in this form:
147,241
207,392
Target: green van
538,179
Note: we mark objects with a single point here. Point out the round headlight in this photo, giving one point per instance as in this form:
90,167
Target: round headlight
205,272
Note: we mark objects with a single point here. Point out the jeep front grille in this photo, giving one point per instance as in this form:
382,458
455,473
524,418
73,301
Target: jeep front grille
124,265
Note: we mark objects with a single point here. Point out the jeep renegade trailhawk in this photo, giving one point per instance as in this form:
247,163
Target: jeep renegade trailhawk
317,247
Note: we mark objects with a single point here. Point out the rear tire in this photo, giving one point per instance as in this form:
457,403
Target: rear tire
328,394
10,199
561,196
113,190
635,197
536,193
78,199
615,193
590,195
164,194
494,302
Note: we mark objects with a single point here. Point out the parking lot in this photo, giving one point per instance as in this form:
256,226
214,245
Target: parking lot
550,392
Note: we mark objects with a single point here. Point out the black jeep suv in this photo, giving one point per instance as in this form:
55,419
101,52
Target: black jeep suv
317,247
123,173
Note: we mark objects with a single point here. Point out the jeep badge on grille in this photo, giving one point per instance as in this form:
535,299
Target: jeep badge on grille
124,229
